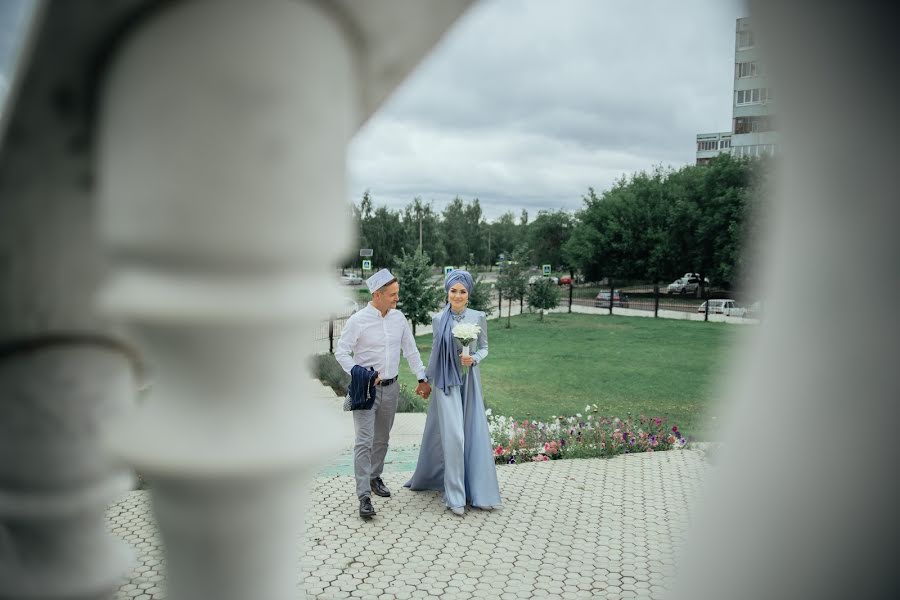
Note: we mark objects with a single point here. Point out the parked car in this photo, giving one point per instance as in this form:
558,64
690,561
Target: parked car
351,280
535,278
695,276
347,307
754,311
725,306
565,280
676,286
684,286
619,299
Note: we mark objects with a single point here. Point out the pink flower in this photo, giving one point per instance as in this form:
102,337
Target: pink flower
498,451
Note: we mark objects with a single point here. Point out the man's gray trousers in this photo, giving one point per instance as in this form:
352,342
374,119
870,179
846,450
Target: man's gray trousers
373,429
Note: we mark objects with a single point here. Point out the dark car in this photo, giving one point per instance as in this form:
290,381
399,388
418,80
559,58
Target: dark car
619,299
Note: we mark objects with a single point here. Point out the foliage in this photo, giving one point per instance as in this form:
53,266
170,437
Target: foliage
626,365
648,226
512,281
418,214
326,369
543,295
480,298
580,436
419,297
504,236
660,224
409,402
547,236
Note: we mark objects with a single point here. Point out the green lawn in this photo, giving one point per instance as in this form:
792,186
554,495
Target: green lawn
625,365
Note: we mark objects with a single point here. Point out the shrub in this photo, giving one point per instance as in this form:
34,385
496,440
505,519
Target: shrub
409,402
326,369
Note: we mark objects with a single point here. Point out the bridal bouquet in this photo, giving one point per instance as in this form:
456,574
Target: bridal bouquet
466,333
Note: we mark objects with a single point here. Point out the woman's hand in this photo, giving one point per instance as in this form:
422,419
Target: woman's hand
467,361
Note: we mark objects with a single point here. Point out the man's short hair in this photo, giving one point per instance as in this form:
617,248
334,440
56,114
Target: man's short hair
381,289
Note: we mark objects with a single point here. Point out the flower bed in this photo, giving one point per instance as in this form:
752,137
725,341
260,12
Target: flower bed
589,436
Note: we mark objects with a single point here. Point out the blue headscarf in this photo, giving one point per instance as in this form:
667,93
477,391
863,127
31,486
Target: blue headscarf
442,363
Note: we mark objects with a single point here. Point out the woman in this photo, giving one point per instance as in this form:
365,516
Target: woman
455,457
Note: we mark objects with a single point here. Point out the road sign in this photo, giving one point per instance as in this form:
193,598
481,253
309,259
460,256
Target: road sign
447,270
364,252
367,265
546,270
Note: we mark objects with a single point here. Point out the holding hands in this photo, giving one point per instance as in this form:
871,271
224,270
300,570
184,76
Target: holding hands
423,389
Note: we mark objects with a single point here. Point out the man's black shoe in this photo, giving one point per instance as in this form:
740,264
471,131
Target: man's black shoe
379,488
366,510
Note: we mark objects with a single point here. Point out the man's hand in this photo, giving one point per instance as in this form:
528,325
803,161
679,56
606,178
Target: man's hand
378,378
423,389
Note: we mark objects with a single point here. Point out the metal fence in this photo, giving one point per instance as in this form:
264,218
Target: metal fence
653,298
642,297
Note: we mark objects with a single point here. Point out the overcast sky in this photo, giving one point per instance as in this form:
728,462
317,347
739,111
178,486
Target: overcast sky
527,103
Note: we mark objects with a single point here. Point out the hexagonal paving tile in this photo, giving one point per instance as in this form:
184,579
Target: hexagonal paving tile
568,529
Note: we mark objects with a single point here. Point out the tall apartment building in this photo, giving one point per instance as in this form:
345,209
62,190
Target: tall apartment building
753,121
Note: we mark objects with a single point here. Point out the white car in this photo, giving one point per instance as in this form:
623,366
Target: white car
347,307
351,280
535,278
725,306
676,287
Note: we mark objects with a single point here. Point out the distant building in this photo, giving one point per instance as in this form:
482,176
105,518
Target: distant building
711,144
753,119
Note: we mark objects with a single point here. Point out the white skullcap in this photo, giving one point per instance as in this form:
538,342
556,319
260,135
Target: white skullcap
378,280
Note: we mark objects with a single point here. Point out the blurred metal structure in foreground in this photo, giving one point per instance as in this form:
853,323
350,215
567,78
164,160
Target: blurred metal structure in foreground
177,168
804,501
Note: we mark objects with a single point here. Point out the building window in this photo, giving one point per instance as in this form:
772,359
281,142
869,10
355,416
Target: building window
724,144
706,145
745,39
746,69
754,96
753,124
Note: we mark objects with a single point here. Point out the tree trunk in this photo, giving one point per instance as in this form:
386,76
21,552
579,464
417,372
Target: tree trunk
509,314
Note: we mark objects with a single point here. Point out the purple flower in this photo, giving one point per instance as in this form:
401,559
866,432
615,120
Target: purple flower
512,460
562,442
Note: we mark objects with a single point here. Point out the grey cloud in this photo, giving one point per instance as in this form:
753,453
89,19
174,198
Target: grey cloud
528,102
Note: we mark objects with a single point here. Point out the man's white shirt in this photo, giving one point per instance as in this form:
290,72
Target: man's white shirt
376,341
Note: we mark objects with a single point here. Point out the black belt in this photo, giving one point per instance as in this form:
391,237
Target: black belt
387,381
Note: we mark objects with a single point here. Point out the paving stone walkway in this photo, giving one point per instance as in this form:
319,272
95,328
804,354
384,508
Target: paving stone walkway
593,528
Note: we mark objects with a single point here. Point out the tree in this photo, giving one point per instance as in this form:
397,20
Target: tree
543,295
512,282
419,297
547,235
657,225
480,298
380,229
504,236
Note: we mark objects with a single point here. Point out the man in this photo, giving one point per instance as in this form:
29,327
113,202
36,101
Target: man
375,336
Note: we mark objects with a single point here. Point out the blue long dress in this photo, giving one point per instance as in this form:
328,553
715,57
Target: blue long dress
456,456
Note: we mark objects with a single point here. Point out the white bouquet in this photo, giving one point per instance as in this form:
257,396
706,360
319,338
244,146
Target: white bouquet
466,333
